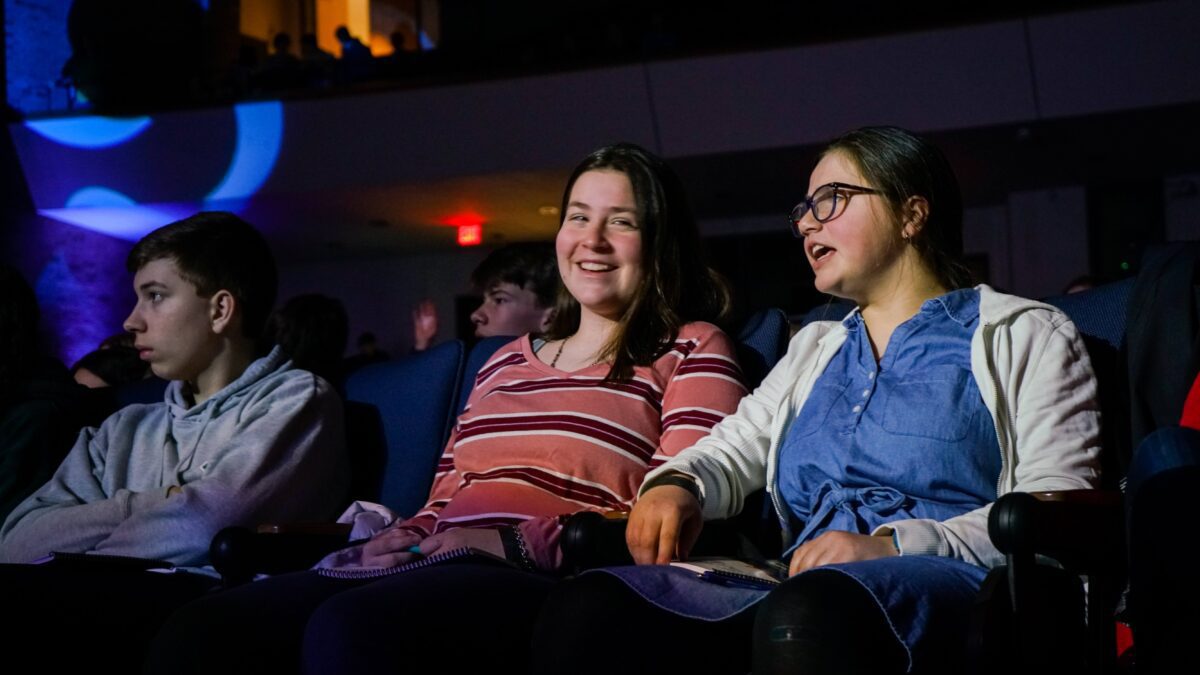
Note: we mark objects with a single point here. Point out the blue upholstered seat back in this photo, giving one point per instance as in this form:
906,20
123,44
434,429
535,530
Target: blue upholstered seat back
479,355
1099,313
761,342
410,403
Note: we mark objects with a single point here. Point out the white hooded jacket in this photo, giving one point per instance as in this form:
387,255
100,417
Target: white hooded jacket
1036,380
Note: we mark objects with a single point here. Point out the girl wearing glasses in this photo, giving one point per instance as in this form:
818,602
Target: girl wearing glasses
882,440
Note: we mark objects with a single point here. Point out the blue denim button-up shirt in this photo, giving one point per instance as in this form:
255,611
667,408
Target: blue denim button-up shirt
907,437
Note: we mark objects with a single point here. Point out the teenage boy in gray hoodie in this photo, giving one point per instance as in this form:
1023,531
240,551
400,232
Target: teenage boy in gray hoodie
238,440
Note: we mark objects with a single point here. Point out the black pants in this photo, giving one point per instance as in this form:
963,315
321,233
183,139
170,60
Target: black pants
825,622
87,618
464,618
818,623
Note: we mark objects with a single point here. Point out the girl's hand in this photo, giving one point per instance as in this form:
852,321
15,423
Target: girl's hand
663,525
840,547
390,547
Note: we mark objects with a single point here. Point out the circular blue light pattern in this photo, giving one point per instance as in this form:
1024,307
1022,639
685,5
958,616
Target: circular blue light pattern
90,133
102,209
98,196
259,139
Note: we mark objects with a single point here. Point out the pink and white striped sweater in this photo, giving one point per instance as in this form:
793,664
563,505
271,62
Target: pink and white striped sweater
535,442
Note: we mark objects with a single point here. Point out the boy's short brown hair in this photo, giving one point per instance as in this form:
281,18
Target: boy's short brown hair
216,250
529,265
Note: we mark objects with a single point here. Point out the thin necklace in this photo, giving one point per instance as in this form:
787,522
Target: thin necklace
554,361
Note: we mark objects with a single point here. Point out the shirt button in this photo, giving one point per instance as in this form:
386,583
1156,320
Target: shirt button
871,375
858,408
866,393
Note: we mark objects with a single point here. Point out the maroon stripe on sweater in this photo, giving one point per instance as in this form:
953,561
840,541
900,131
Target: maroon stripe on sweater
642,389
554,484
684,347
595,429
702,364
503,361
700,418
482,521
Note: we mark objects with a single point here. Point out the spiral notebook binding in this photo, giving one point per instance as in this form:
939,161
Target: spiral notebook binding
376,572
748,579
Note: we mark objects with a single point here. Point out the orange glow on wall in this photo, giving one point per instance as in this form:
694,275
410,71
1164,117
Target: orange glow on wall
470,235
353,14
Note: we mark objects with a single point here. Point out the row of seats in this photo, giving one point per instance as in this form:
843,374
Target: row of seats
400,414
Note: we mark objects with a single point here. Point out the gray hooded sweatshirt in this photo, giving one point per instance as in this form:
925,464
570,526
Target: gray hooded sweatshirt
270,446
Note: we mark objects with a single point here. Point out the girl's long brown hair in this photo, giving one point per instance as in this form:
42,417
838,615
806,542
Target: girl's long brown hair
676,286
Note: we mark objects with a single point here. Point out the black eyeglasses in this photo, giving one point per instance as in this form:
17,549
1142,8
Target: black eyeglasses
825,204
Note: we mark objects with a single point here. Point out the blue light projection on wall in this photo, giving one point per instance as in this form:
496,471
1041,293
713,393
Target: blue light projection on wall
97,196
107,211
259,138
92,133
121,216
129,223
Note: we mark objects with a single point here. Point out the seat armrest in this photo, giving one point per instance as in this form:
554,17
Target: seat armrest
325,529
590,539
239,554
1084,530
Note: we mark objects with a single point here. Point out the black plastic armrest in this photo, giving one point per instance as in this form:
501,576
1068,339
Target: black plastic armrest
591,539
1084,530
238,553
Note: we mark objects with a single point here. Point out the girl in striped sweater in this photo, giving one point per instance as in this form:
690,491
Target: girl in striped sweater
629,373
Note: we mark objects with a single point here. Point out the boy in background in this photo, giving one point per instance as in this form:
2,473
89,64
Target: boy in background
519,284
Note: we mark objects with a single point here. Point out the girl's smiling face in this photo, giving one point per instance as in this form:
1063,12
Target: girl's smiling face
599,245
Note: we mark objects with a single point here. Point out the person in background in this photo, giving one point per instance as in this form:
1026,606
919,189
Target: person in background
519,284
311,329
368,353
41,409
110,367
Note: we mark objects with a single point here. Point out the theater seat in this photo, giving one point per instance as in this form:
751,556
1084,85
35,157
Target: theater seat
1032,612
399,416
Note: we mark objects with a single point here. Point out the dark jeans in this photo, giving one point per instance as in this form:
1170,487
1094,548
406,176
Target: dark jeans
823,622
84,618
594,623
466,617
1163,481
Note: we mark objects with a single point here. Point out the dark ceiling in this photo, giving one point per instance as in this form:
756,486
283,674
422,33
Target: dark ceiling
1104,150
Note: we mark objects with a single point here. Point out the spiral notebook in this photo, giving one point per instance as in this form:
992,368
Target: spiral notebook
456,555
763,574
